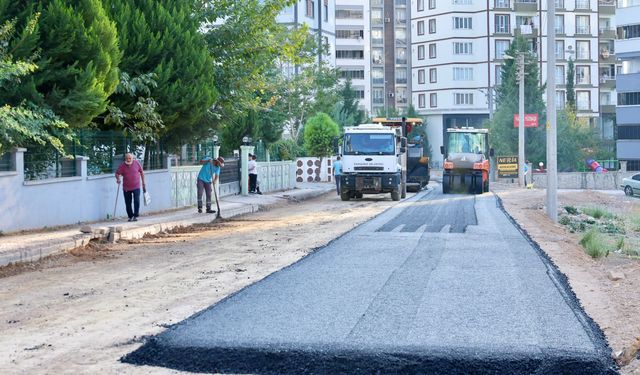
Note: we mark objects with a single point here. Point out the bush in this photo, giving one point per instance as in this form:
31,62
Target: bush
285,149
571,210
593,244
564,220
598,213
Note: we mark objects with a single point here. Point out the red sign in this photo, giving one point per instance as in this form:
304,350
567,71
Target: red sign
530,120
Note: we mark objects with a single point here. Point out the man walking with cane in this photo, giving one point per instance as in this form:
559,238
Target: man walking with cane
207,178
131,172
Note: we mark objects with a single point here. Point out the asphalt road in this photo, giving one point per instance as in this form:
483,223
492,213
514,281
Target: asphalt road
437,284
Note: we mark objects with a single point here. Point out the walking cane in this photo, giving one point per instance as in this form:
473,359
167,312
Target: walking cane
116,204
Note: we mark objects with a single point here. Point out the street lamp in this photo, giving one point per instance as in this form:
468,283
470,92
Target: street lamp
521,161
246,140
215,139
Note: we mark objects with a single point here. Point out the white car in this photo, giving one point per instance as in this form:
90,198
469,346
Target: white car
631,185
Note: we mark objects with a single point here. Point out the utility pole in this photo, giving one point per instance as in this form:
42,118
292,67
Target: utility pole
552,164
521,161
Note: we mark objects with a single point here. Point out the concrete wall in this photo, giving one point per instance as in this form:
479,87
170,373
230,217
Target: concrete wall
584,180
62,201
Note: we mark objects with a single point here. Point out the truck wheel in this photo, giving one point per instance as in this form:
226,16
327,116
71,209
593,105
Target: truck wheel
446,188
478,185
395,195
345,196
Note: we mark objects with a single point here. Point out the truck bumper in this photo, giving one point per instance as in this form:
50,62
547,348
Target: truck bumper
370,182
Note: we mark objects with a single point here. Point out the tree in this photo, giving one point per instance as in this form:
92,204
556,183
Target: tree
504,136
25,123
75,48
163,38
571,93
577,140
319,133
346,111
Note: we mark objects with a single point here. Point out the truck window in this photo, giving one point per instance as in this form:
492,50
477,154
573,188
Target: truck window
466,143
369,144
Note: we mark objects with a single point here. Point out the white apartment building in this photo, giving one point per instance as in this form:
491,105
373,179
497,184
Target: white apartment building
628,83
458,48
318,15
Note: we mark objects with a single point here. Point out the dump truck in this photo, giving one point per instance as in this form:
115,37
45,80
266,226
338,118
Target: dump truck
466,161
418,170
373,161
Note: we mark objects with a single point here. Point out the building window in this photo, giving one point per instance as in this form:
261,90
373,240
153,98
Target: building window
433,100
421,76
401,55
401,15
432,4
463,98
432,51
349,54
501,47
310,8
353,74
401,36
560,75
401,95
433,75
582,4
628,32
421,101
583,100
560,24
349,14
463,74
560,101
582,25
420,27
559,4
376,36
462,48
462,23
377,76
501,4
583,50
629,132
325,7
349,34
498,73
420,5
432,26
376,55
376,16
462,2
629,98
421,52
401,75
502,24
583,74
560,49
377,96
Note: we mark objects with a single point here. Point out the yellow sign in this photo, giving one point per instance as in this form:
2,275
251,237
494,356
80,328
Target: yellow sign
507,166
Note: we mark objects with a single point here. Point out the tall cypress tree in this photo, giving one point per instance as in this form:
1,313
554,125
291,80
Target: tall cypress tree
162,37
571,92
78,57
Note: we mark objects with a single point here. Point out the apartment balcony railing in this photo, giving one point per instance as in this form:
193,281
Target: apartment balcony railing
583,4
584,30
607,7
607,33
526,6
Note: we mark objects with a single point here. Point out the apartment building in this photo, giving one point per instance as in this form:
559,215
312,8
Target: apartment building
372,47
458,49
318,15
627,48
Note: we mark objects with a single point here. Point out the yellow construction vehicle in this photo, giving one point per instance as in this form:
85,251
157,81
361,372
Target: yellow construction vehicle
466,161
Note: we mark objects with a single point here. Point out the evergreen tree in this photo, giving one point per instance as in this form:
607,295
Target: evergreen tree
571,93
319,133
78,57
504,136
162,38
348,113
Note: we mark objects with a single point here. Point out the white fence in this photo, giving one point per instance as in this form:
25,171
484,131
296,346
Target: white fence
54,202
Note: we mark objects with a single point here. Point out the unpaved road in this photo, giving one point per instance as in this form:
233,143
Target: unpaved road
80,314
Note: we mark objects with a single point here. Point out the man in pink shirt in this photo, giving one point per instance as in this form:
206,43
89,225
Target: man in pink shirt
131,172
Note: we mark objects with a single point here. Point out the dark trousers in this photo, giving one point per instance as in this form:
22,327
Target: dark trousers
253,182
135,194
204,187
337,183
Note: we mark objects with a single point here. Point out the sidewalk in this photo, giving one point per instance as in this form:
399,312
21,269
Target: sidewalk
34,245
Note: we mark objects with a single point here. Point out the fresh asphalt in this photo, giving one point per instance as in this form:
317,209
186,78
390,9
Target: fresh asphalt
437,284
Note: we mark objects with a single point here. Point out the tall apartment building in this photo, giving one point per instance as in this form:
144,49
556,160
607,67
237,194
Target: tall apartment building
318,15
628,83
372,47
458,48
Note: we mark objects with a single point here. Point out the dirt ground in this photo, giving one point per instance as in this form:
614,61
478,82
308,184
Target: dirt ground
79,313
613,304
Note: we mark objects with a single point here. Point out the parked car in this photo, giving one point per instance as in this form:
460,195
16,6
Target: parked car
631,185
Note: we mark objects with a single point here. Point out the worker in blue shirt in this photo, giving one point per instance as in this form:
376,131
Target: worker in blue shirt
337,171
207,178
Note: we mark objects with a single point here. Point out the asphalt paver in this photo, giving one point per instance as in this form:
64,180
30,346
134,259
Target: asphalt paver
470,296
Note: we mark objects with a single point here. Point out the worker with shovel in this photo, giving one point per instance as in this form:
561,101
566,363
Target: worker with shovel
207,178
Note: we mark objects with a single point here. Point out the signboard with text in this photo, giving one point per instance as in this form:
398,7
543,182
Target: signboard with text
507,166
530,120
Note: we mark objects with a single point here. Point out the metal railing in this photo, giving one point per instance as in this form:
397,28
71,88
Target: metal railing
5,162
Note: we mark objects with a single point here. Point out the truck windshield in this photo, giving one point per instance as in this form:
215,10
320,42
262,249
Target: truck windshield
466,143
369,144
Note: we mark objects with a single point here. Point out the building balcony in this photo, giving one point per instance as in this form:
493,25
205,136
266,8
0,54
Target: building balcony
607,108
628,82
526,31
607,7
607,82
627,114
627,48
525,6
607,34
